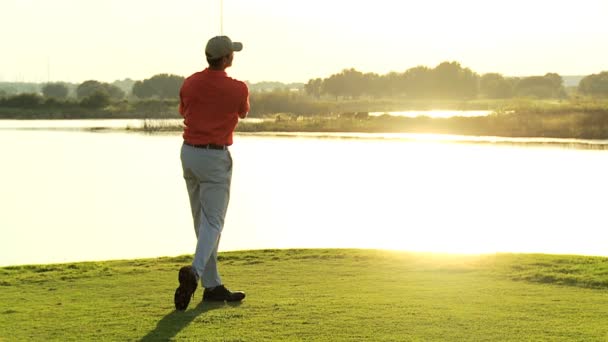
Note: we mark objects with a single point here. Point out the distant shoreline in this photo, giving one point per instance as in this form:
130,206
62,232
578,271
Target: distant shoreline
575,125
585,120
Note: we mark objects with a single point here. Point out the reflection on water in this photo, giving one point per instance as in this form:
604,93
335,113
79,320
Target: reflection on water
71,195
448,138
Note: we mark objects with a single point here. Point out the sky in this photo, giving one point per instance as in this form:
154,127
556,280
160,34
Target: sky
294,41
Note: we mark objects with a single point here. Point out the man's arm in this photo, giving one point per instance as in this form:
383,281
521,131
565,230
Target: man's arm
244,106
181,105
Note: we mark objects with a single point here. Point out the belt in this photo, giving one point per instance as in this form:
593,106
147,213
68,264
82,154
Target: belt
208,146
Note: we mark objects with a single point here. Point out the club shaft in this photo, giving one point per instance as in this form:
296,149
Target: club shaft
221,17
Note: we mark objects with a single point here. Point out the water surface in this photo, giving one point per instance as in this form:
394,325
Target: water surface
78,195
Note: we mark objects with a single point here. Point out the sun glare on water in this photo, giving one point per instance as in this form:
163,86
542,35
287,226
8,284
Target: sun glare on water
432,196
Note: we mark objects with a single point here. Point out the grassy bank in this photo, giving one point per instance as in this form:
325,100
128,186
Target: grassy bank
573,125
515,118
315,295
510,118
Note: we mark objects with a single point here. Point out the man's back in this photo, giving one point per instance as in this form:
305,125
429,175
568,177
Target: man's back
211,103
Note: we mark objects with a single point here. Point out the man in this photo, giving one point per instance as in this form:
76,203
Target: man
211,104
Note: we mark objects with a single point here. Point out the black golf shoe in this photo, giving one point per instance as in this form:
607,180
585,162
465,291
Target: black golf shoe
221,293
187,286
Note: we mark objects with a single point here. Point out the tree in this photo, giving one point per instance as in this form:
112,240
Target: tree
143,90
164,86
313,87
417,82
453,81
349,82
26,100
391,84
548,86
595,85
375,85
98,99
55,90
354,82
87,88
333,85
115,92
556,80
495,86
125,85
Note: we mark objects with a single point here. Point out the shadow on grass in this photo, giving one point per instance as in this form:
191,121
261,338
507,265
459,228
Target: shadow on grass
176,321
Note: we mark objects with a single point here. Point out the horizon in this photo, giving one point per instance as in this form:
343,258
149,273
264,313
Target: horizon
72,42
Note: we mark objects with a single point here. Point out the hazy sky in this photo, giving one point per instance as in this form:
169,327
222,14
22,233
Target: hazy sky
294,41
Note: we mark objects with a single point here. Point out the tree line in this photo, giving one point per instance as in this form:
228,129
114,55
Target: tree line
93,94
448,80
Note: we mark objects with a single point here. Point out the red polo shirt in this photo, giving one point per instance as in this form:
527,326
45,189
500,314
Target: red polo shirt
211,104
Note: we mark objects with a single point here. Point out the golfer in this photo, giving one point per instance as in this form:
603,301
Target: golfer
211,104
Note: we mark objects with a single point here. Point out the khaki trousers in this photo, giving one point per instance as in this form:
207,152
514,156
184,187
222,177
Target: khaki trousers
208,174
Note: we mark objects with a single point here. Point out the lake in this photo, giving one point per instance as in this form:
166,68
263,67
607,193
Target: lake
73,195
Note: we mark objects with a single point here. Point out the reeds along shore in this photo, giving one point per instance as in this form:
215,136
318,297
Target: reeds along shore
586,119
575,124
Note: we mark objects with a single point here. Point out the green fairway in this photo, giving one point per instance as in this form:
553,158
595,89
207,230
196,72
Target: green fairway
317,294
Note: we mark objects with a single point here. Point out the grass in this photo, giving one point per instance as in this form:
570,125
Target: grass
576,125
574,119
321,294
